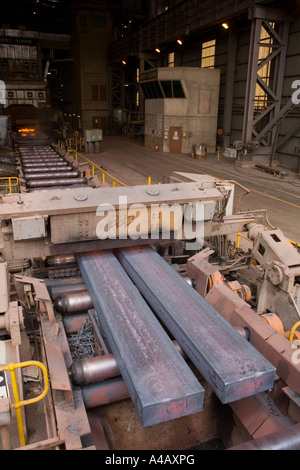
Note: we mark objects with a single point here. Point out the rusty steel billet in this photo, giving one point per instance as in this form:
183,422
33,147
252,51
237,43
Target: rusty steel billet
161,385
73,302
287,439
56,182
53,175
228,362
104,393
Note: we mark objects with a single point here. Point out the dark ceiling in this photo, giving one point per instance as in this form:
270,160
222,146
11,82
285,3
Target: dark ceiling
55,15
43,15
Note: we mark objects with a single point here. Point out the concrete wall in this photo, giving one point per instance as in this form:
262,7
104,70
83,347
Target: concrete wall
197,114
92,31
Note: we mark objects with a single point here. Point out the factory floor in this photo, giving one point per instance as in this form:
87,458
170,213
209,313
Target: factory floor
131,163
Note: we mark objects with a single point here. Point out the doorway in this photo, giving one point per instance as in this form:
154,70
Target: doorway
175,139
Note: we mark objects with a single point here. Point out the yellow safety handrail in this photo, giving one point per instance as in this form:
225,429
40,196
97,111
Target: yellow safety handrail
293,331
92,164
17,405
10,184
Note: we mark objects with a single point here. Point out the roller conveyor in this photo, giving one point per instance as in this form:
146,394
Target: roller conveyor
43,167
161,385
231,365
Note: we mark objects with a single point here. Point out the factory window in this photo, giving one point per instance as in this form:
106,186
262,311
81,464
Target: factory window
208,54
171,59
177,89
152,90
99,93
163,89
167,87
261,96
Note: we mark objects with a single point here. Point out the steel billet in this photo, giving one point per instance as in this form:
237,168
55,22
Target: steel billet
160,383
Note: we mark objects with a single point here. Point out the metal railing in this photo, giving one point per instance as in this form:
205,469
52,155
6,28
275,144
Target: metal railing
93,166
11,182
18,404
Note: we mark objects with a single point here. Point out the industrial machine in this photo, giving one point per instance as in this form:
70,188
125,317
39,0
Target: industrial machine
131,318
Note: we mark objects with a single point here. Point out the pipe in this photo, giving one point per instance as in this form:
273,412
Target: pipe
56,182
74,302
287,439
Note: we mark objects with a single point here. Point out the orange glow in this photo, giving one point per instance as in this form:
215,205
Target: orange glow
26,130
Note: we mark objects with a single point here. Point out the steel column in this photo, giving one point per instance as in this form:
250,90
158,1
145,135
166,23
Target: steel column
161,385
231,366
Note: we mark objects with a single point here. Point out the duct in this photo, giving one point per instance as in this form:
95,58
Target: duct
161,385
231,366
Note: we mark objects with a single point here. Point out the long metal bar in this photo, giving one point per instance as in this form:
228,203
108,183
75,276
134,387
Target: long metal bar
49,169
287,439
161,385
55,182
54,175
232,366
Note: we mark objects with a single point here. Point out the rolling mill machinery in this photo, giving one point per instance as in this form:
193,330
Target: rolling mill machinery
136,332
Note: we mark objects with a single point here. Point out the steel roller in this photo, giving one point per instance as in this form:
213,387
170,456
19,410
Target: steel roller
48,175
73,302
56,182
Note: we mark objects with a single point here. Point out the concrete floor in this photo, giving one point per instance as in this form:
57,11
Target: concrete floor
130,162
